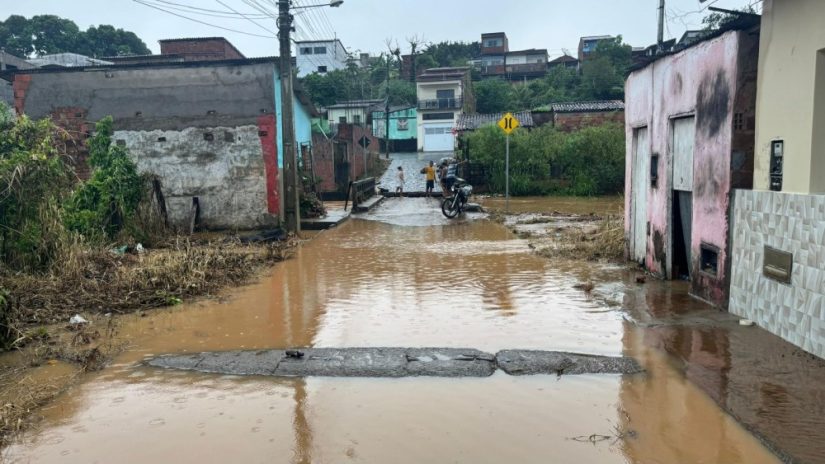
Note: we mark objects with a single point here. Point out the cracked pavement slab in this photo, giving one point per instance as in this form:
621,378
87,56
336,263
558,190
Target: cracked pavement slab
395,362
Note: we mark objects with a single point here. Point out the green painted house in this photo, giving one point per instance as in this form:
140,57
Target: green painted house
403,127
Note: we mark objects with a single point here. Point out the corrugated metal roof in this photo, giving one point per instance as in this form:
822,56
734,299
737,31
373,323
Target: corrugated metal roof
588,106
356,104
468,122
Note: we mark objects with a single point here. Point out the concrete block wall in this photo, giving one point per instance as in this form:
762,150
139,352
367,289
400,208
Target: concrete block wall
793,223
224,167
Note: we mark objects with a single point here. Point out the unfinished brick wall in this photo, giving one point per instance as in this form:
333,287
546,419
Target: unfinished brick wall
323,151
20,87
574,121
201,49
73,121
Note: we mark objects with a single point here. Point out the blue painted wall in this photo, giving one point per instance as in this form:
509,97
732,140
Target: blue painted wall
303,122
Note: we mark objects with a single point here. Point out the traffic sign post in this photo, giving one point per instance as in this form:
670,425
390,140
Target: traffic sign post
508,123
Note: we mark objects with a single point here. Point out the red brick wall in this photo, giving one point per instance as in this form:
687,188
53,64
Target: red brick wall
201,50
573,121
73,121
20,86
348,134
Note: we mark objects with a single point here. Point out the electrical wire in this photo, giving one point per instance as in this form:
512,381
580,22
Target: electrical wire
247,18
144,3
203,11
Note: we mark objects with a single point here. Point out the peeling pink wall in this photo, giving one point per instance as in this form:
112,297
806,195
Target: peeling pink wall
701,81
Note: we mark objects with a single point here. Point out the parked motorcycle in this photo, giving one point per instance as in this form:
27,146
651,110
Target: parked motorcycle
453,206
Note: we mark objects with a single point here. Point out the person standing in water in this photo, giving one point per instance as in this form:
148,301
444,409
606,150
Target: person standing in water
429,175
400,188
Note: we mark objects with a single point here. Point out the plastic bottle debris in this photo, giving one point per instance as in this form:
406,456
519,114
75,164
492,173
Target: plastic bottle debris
77,319
139,248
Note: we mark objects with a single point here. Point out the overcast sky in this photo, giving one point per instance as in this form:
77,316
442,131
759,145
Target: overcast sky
363,25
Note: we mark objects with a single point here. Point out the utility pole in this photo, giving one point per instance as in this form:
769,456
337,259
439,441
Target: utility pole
291,193
660,37
387,112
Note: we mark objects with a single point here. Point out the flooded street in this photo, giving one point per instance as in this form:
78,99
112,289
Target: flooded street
405,276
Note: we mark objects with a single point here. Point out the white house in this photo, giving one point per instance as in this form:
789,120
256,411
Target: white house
443,95
320,56
352,111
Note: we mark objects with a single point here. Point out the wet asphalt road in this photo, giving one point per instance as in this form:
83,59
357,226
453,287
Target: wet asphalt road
411,163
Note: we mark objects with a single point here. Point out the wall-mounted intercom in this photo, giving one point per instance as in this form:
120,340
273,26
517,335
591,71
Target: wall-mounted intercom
777,153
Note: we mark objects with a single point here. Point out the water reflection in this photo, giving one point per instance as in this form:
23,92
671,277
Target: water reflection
374,282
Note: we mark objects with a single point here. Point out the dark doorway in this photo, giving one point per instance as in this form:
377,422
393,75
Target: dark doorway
341,167
682,221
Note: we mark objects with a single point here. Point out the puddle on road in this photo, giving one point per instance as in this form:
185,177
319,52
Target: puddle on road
372,282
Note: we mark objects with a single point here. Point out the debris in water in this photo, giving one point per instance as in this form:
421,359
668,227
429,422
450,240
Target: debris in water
746,322
640,279
294,354
586,287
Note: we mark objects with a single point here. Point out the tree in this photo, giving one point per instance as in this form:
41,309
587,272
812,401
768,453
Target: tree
603,73
718,19
402,92
14,36
105,40
52,34
448,54
492,96
47,34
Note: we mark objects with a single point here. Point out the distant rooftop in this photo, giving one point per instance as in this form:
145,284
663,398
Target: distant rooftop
443,74
355,104
564,59
588,106
597,37
67,60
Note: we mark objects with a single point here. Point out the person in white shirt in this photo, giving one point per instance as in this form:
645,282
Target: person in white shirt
400,188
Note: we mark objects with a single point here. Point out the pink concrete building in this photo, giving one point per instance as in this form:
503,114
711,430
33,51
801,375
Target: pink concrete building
690,140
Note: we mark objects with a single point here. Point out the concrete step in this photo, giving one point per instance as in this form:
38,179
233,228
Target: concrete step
368,204
332,219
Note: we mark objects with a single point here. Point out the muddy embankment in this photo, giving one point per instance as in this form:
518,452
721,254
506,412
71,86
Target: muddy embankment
40,311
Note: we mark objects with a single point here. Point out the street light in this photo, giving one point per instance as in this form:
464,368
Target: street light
292,200
332,3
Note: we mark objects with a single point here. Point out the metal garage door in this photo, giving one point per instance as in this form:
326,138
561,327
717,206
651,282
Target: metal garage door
641,167
438,137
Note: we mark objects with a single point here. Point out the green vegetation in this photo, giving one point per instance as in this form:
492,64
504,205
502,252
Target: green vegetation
43,209
370,82
354,83
34,182
718,19
47,34
101,206
547,161
601,77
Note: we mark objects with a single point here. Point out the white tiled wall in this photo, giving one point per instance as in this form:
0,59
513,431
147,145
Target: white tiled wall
791,223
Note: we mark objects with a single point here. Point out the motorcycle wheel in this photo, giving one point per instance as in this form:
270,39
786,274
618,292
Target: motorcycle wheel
450,208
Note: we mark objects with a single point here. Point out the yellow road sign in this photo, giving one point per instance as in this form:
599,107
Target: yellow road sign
508,123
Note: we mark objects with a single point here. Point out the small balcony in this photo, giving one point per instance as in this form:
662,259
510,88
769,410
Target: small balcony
528,69
492,70
440,104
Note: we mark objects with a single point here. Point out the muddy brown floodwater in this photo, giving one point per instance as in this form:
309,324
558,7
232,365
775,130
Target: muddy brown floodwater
401,276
